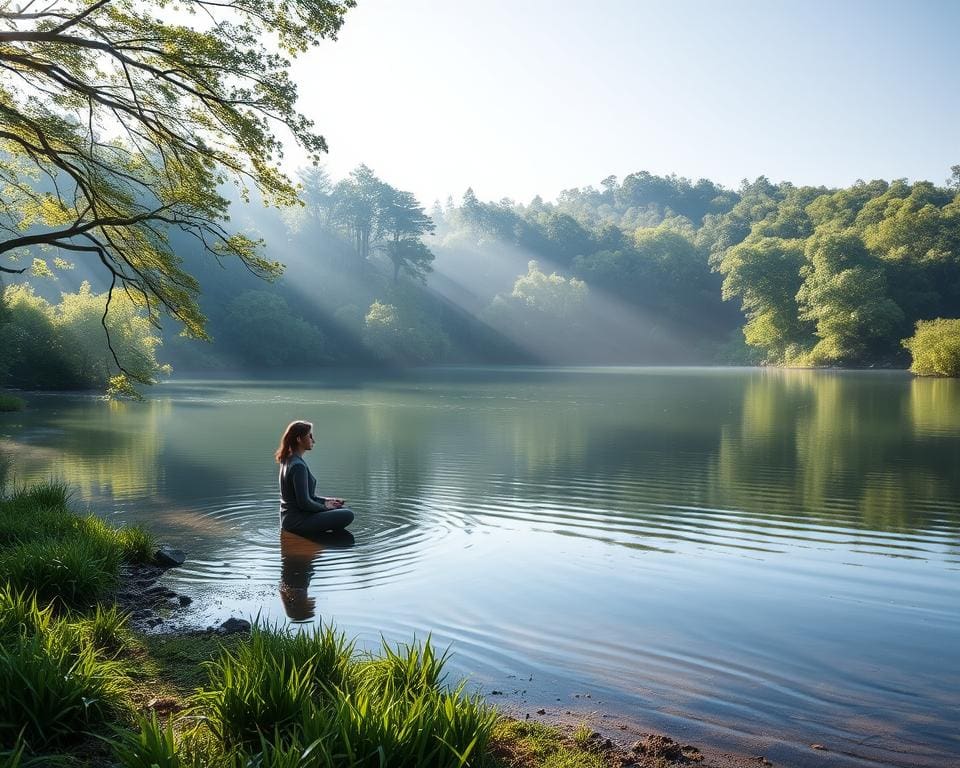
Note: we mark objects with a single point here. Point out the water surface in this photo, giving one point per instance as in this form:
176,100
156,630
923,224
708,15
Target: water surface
720,553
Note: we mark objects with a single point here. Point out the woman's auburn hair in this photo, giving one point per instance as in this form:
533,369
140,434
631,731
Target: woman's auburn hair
291,435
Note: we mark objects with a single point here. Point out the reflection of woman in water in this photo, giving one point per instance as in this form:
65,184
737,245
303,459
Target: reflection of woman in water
301,510
298,558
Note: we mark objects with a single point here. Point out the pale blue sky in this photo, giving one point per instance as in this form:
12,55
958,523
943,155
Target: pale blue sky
534,96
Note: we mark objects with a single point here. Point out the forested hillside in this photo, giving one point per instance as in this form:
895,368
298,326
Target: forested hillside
646,269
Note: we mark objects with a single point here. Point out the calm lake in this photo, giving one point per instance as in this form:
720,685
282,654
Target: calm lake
720,553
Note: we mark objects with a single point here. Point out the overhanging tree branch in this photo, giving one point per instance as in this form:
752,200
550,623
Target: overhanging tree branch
133,123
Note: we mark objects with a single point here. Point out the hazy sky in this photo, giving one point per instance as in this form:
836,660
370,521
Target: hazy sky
520,97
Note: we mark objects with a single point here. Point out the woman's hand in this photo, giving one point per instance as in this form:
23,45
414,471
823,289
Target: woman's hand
334,503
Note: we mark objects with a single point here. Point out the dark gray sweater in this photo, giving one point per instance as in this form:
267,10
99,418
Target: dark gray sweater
297,488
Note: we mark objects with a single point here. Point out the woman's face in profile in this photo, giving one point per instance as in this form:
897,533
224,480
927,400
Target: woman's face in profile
306,442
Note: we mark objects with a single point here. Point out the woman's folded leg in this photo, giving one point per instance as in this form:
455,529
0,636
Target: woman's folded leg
307,524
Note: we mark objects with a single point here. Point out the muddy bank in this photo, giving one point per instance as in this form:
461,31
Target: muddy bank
625,742
701,743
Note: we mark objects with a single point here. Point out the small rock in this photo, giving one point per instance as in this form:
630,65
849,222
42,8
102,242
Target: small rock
184,599
234,626
169,557
496,693
155,621
541,711
164,704
817,746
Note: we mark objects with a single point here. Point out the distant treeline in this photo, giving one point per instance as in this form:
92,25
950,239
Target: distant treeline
646,269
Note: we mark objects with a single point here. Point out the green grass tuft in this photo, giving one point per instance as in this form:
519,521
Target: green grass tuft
137,543
69,572
13,758
106,631
266,683
152,745
51,494
404,670
60,556
18,756
20,614
582,735
286,694
54,690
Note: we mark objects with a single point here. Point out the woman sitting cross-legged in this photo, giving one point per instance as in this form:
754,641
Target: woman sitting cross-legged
301,511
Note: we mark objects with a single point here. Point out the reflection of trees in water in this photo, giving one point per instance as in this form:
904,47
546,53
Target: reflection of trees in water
601,425
101,449
842,448
856,449
935,407
396,448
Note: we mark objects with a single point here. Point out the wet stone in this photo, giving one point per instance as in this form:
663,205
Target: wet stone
170,557
233,626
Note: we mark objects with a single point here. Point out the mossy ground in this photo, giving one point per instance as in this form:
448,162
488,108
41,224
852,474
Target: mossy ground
526,744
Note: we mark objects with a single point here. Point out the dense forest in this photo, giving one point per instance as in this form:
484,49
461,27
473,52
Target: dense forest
647,269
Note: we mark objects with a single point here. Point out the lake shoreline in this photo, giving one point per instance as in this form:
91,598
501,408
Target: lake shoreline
380,372
623,739
160,612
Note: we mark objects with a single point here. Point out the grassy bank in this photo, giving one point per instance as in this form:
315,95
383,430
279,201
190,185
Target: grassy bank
81,689
66,560
10,403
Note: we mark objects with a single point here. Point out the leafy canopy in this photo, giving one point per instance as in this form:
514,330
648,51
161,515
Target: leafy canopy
120,120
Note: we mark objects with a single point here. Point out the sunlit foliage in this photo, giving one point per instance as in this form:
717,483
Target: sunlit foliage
121,121
402,337
665,270
935,348
64,345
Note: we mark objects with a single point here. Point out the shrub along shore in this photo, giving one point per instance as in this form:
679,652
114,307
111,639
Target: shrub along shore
10,403
83,688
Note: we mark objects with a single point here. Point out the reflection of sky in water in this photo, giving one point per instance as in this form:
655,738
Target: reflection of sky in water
712,549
